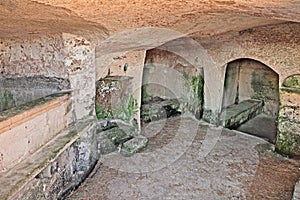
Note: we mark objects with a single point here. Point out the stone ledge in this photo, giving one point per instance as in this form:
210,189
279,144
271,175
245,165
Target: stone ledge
18,115
17,178
236,114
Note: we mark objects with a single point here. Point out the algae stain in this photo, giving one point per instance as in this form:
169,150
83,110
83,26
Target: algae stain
292,82
6,100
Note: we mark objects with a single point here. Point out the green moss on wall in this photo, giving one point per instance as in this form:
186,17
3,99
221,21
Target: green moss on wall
124,112
292,82
6,100
262,89
145,95
288,138
287,143
195,100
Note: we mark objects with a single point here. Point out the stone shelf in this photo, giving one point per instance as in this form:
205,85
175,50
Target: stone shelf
237,114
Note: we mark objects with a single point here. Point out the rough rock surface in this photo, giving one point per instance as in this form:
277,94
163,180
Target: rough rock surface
134,145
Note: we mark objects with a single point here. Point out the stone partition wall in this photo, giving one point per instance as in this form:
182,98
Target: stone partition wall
288,137
79,61
114,98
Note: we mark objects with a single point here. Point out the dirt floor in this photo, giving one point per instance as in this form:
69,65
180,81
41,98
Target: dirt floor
186,159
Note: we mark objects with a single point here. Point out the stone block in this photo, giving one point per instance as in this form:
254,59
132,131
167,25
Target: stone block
161,109
134,145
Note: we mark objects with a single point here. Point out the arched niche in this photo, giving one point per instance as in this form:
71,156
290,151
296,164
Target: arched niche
251,98
292,81
168,76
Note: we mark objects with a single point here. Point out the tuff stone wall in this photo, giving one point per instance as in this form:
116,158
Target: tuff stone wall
288,136
169,76
248,79
32,56
124,64
79,61
276,46
26,128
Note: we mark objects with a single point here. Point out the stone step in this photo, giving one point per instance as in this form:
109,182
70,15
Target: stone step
235,115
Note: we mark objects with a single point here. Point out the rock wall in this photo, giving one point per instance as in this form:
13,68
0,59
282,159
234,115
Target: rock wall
120,64
169,76
36,56
17,90
276,46
79,61
67,170
288,136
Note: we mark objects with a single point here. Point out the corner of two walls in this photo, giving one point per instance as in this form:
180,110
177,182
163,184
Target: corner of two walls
79,61
129,64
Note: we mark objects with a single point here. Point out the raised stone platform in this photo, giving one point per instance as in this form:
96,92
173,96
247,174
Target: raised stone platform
237,114
159,109
56,168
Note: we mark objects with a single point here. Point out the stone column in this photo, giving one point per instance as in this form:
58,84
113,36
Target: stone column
79,60
214,78
288,133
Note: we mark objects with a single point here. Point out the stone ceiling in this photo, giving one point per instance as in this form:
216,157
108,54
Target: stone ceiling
207,16
21,18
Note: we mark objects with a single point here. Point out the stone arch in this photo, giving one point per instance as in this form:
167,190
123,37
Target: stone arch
265,62
115,52
292,81
251,90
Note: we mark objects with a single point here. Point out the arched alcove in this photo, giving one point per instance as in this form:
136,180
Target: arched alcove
173,80
251,98
292,81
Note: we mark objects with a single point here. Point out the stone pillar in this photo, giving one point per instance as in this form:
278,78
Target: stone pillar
288,135
79,60
213,93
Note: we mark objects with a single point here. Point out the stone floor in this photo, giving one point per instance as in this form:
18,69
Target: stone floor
262,125
186,159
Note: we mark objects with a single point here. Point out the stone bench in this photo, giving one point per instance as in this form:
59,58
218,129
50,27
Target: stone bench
235,115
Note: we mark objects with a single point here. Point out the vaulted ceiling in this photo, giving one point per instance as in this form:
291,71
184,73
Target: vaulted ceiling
202,18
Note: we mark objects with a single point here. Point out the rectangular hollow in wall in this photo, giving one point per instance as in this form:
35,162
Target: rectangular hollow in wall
26,128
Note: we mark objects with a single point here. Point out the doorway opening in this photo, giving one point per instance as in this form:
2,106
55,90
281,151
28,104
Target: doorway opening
251,98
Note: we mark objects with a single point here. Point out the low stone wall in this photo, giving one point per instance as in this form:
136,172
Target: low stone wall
58,167
26,128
